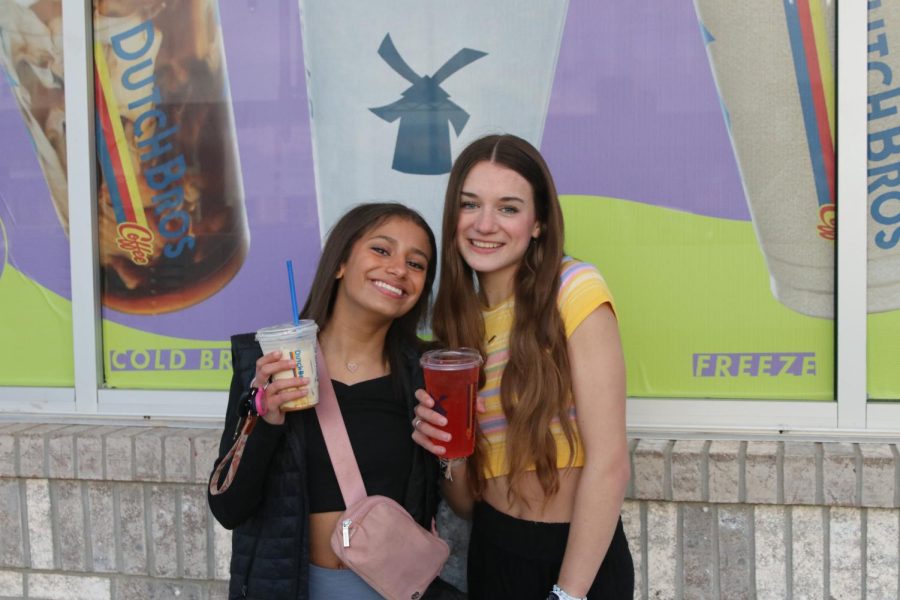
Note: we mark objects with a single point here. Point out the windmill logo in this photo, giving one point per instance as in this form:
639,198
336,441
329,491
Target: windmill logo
425,112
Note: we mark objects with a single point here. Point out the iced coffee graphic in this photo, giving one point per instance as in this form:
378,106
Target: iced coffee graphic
172,224
398,87
173,228
884,158
773,67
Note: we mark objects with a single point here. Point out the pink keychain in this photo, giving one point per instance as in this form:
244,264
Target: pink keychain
260,401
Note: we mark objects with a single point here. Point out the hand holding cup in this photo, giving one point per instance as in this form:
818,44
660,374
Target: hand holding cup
427,424
297,345
279,391
445,417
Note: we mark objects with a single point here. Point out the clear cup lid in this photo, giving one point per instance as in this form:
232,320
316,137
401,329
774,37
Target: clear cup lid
305,328
451,359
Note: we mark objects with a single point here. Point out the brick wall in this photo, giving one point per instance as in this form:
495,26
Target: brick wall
113,513
120,513
765,520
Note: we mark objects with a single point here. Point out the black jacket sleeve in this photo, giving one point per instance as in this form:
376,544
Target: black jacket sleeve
244,496
423,489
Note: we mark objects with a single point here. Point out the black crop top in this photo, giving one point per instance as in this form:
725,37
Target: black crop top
378,426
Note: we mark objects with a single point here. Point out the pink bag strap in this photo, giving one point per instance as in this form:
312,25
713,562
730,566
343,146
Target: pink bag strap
336,439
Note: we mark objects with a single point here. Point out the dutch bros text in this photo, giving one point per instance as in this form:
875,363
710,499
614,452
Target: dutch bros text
164,178
884,146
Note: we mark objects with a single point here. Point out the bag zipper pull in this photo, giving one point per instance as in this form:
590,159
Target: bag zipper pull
345,532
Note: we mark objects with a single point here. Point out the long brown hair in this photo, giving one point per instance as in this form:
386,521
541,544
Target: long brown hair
351,227
536,385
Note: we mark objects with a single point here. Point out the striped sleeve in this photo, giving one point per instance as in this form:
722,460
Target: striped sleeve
582,290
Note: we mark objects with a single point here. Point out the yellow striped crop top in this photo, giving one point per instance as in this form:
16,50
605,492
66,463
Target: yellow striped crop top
581,291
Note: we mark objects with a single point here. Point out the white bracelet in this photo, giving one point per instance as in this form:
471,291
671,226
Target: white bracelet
448,463
561,594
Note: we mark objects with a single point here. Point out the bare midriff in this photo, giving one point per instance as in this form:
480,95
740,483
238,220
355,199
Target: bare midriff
321,526
530,503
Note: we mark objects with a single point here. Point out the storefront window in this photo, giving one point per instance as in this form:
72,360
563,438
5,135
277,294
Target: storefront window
206,183
35,292
696,149
884,204
693,147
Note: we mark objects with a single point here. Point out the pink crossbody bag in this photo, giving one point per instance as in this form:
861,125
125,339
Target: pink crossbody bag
375,536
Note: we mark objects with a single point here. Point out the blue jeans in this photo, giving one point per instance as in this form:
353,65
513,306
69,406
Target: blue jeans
328,584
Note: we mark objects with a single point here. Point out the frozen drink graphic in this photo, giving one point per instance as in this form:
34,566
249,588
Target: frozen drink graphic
31,56
397,88
884,158
773,67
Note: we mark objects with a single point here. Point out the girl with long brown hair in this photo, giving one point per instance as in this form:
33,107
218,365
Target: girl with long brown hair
547,480
371,290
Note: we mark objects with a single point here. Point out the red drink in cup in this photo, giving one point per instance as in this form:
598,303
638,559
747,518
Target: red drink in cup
451,378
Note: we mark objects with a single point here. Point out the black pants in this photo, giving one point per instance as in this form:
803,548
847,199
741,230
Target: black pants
512,559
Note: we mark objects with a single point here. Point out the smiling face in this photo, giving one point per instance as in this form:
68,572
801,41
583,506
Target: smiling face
386,270
496,223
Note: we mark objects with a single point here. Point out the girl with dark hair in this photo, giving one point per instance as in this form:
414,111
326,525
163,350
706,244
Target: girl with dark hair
370,292
546,483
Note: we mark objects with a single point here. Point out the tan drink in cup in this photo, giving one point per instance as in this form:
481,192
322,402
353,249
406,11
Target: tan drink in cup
451,379
298,343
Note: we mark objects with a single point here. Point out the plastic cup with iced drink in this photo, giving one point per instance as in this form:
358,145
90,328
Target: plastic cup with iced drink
451,379
298,343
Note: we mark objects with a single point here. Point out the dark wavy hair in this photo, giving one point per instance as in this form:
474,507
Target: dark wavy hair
536,387
351,227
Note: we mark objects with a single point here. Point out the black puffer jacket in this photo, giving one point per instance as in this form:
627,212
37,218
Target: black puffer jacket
270,541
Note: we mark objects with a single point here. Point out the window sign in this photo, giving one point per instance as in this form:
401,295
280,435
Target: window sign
35,293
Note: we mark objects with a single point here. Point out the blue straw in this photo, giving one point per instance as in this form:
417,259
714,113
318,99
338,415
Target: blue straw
290,270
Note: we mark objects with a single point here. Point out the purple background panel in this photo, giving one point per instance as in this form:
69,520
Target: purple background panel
36,243
634,112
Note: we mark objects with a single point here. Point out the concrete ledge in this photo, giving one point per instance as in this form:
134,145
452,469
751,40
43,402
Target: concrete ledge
766,472
106,453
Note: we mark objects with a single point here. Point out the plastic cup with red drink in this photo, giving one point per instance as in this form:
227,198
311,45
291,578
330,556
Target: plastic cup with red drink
451,379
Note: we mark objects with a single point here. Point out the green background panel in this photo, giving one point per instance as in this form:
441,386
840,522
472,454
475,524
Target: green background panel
36,348
126,345
688,284
683,283
884,355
